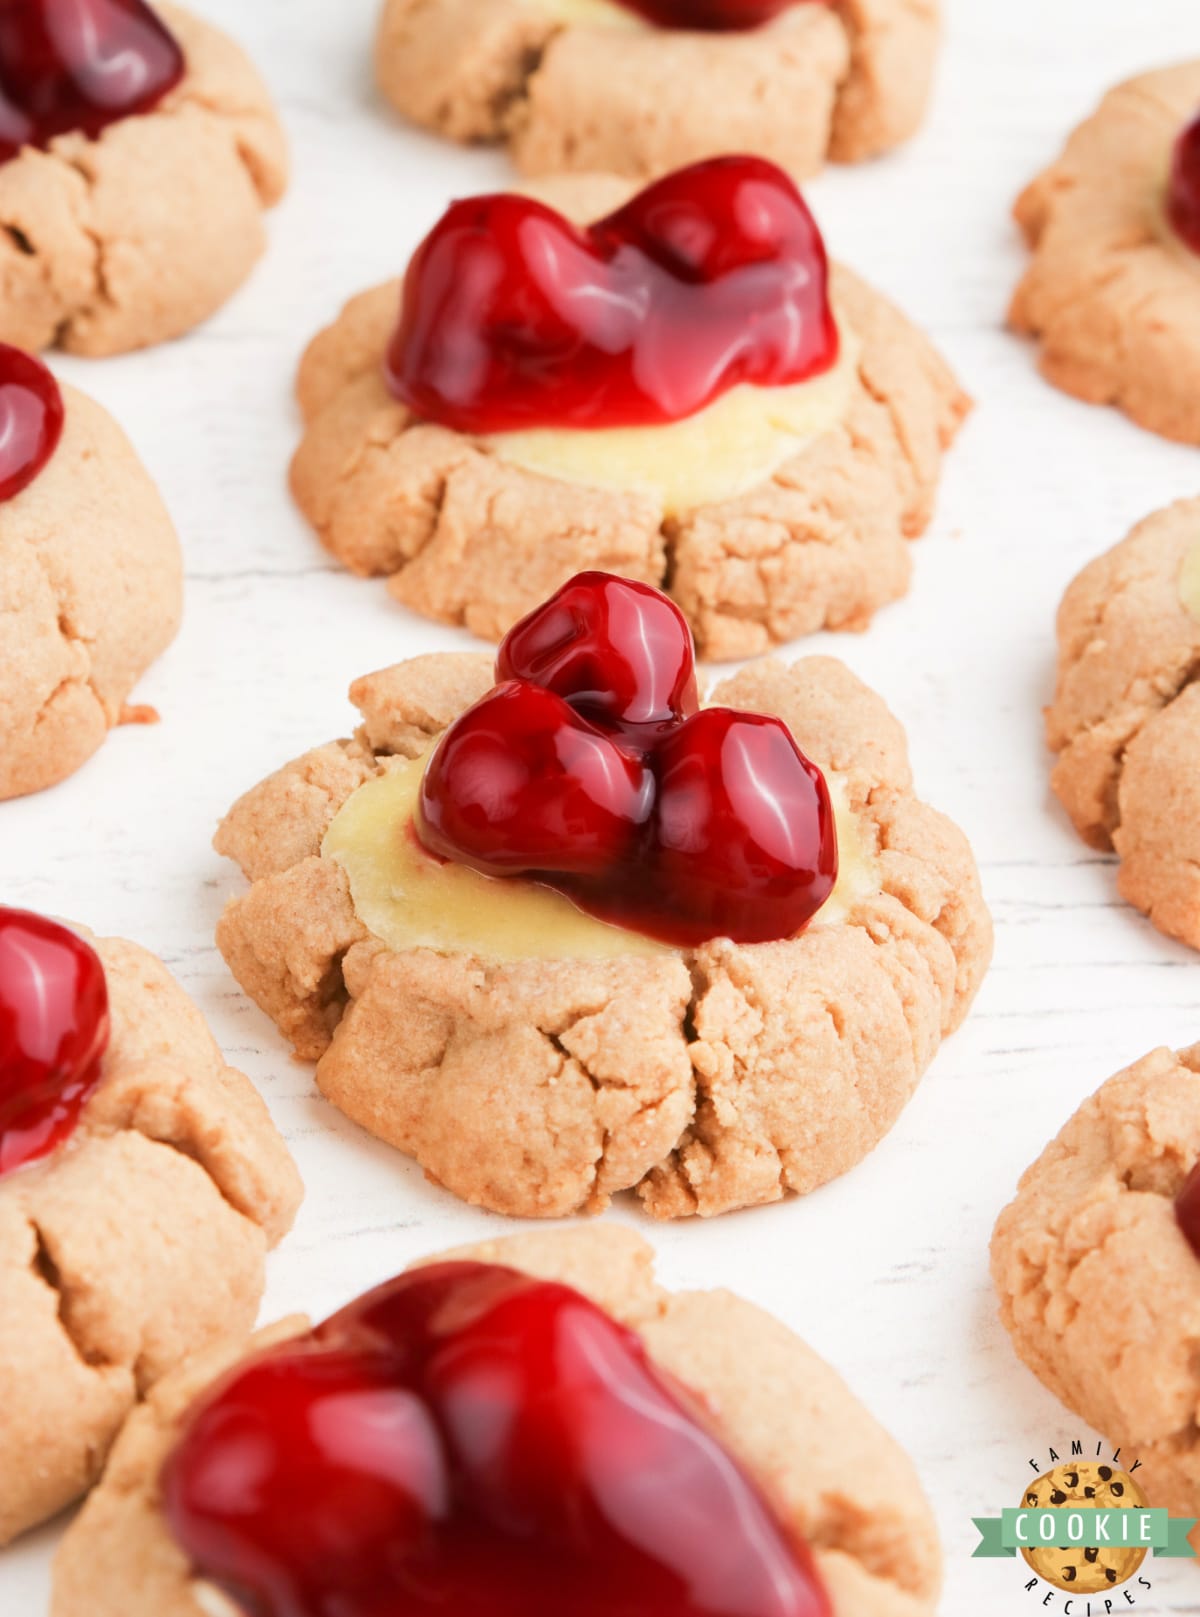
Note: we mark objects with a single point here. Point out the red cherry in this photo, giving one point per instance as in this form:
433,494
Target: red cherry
69,65
713,276
745,839
468,1440
53,1033
621,653
1183,188
709,16
522,783
1187,1209
31,419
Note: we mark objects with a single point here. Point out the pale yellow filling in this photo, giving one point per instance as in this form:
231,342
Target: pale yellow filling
738,442
409,900
1189,579
589,13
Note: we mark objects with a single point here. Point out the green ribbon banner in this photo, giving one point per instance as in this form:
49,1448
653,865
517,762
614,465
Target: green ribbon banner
1082,1528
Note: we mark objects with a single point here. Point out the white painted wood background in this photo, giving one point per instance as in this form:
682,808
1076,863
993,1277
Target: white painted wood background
885,1271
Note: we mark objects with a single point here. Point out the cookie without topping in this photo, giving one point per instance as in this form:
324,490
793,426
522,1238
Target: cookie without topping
139,1241
829,1469
1098,1287
706,1080
91,592
135,237
844,81
1111,293
1125,721
466,537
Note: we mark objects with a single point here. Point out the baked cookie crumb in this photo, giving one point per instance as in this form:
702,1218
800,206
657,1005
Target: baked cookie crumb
1125,721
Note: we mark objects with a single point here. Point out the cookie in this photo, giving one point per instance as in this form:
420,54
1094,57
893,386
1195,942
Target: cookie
91,576
535,1061
1125,721
1111,292
1098,1285
141,1183
119,231
599,86
761,534
829,1474
1092,1486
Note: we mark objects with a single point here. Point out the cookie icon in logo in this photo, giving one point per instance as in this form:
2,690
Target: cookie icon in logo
1090,1486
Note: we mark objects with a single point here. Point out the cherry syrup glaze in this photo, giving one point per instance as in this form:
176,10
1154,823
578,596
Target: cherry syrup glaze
68,65
53,1033
31,419
592,769
514,318
1183,188
709,16
468,1442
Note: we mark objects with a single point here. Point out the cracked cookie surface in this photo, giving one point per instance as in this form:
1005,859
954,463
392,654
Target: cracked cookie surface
1125,721
706,1080
846,81
141,1240
831,1471
1111,293
133,238
1098,1287
466,537
91,592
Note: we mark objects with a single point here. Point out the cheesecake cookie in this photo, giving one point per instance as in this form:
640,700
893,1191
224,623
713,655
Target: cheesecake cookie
141,1183
1097,1267
706,995
91,576
642,88
478,451
1114,286
1125,721
754,1460
131,201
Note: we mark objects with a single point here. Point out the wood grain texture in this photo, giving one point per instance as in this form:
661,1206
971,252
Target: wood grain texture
885,1271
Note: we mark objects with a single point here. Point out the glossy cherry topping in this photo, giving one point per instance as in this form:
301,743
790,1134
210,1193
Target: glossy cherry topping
31,419
68,65
709,16
514,318
590,769
53,1033
468,1442
1183,188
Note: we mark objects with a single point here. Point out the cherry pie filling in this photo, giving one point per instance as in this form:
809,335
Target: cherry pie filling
514,319
54,1029
1183,187
79,65
31,419
709,16
468,1440
591,768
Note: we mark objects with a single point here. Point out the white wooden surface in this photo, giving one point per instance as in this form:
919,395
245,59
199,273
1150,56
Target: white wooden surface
885,1271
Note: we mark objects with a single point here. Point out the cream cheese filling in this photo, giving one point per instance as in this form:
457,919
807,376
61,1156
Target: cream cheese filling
736,443
1189,579
410,900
